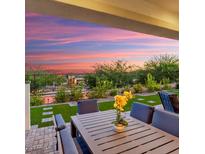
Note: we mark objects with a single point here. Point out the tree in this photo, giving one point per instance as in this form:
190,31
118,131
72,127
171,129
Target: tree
39,79
119,72
90,80
151,84
76,92
163,66
61,95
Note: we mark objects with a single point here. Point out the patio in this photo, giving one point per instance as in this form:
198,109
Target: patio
40,140
45,140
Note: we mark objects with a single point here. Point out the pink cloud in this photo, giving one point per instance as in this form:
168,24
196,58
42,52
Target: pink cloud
58,56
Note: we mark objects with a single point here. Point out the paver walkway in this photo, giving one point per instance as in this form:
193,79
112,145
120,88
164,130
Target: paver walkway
41,140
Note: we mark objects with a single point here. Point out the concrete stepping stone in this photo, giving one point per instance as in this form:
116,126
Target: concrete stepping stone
47,119
34,126
151,102
47,113
140,99
72,104
47,108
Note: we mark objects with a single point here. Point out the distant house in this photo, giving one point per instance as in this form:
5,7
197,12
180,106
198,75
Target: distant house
73,80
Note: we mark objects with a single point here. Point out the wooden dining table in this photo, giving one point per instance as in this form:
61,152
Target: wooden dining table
138,137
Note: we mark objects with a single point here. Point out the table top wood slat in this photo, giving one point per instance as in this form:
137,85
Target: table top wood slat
120,135
124,140
138,137
111,133
95,125
175,152
133,144
151,145
172,146
93,133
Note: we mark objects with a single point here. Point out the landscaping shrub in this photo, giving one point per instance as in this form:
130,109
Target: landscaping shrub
61,95
138,88
113,92
100,91
163,66
39,79
119,72
76,92
90,80
36,100
151,84
165,82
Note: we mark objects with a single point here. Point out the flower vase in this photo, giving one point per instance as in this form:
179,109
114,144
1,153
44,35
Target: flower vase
119,127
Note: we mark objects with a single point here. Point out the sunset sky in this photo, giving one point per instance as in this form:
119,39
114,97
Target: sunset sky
70,46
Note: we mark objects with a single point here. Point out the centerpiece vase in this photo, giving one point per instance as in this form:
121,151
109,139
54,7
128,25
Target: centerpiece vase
118,126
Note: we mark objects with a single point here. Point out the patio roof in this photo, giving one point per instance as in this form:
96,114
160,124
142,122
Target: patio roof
155,17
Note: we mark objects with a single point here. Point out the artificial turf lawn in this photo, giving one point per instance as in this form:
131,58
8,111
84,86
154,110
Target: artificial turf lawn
67,111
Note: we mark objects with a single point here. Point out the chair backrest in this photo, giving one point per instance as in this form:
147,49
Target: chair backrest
164,96
87,106
166,121
142,112
175,102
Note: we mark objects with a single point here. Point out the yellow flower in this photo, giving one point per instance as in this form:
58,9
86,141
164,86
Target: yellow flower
128,94
120,102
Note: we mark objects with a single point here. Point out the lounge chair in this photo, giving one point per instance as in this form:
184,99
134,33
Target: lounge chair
166,102
142,112
166,121
87,106
65,143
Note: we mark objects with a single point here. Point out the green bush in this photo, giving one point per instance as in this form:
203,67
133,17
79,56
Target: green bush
162,66
151,84
76,92
100,91
61,95
113,92
165,82
92,94
36,100
138,88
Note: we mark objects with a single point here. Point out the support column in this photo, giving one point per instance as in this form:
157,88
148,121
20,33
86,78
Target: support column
27,106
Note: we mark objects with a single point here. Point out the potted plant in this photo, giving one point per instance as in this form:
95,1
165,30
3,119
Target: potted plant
120,102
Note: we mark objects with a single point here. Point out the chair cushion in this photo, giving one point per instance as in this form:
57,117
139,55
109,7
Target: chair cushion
142,112
166,121
87,106
175,102
60,123
68,144
164,96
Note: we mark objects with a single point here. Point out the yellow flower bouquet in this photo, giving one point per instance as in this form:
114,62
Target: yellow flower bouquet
120,102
